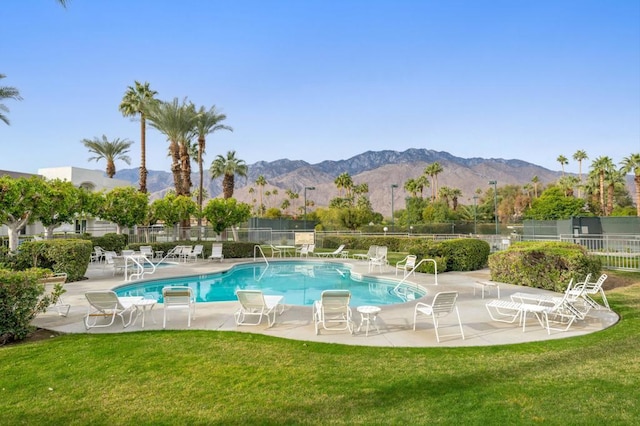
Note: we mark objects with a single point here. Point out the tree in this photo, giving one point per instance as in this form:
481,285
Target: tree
135,101
554,205
580,156
125,206
207,122
535,181
20,199
344,183
631,164
228,167
173,209
600,167
7,92
433,170
223,213
562,160
176,120
261,182
411,186
61,202
109,151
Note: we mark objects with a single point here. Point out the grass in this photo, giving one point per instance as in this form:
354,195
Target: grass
208,377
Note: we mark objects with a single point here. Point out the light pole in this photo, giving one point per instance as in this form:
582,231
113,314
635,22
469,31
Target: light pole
310,188
475,214
495,201
393,186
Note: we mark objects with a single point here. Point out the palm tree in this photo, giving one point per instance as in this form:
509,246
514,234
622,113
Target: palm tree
456,193
411,187
600,167
344,182
535,180
134,102
433,170
261,182
632,164
580,156
614,178
7,92
207,122
109,150
562,160
177,122
228,167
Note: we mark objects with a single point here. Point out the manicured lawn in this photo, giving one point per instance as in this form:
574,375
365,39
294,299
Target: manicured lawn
208,377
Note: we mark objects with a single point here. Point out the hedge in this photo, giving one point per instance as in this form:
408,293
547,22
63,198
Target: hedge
546,265
71,256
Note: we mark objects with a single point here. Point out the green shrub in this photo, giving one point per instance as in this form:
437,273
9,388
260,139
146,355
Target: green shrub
546,265
20,301
71,256
465,254
111,242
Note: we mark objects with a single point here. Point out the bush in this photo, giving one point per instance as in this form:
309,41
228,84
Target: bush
465,254
111,242
546,265
71,256
20,301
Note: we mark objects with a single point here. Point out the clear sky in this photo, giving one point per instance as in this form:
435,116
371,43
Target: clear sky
326,80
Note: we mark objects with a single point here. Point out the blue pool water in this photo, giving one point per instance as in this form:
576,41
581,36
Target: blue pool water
300,282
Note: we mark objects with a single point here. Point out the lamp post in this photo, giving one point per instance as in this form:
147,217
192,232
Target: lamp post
495,201
393,186
310,188
475,214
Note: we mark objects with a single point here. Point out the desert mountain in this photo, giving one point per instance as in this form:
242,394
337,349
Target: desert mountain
379,169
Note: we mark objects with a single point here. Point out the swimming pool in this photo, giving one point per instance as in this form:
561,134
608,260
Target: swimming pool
300,282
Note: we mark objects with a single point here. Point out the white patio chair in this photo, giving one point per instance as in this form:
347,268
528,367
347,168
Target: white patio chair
380,260
407,265
444,303
337,252
107,304
216,251
590,288
255,303
97,255
146,251
198,251
178,298
370,254
50,283
275,251
332,311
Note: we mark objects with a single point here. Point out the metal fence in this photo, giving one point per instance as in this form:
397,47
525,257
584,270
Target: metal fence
615,251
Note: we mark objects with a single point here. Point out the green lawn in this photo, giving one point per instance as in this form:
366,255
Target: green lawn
208,377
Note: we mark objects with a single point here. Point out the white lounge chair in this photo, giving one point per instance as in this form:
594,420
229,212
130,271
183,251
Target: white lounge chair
444,303
255,303
590,288
332,311
216,251
337,252
107,304
370,254
50,284
176,298
146,251
198,251
407,265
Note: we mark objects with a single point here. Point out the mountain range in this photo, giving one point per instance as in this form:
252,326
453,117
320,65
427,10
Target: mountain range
379,169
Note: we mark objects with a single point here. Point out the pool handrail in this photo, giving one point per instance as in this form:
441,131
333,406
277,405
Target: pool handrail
396,289
257,246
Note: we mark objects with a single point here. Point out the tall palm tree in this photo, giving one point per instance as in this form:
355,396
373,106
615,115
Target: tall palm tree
600,167
261,182
562,160
207,122
344,182
580,156
411,187
134,102
632,164
535,180
228,167
433,170
176,120
7,92
109,150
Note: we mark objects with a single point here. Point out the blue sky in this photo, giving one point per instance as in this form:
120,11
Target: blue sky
326,80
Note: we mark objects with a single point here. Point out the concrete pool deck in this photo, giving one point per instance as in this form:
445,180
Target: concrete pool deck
395,322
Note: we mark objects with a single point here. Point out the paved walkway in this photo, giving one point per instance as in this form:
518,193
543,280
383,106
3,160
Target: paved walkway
395,322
